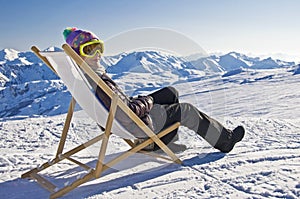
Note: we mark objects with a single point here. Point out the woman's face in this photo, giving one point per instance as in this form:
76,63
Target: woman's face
91,52
92,61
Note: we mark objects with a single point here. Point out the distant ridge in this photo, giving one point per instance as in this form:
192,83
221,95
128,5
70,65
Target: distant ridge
29,88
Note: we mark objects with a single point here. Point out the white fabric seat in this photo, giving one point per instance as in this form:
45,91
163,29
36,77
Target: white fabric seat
81,90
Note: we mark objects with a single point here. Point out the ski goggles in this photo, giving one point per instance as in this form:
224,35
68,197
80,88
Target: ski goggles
90,49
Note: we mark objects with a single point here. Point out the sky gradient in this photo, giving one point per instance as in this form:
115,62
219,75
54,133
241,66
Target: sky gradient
259,27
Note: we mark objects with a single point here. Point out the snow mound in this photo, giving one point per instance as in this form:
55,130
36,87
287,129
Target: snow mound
234,72
297,70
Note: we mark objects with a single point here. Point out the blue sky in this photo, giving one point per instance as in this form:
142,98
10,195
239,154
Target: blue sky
246,26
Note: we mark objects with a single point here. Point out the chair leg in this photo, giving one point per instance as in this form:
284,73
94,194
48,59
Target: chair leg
129,142
143,145
155,138
63,156
66,127
108,127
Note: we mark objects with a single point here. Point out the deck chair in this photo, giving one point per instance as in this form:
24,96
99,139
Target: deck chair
70,68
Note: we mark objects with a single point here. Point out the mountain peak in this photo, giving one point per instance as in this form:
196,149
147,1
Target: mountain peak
148,62
53,49
234,54
9,54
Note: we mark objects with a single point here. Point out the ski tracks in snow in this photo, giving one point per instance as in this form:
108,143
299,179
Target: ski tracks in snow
264,165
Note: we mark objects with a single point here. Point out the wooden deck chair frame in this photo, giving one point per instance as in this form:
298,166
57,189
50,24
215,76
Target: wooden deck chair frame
94,173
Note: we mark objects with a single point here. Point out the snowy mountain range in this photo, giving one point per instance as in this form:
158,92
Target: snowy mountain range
28,87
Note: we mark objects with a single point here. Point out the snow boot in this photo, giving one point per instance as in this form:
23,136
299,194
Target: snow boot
228,139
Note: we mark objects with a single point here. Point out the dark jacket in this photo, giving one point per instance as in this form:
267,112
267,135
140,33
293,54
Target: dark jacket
140,105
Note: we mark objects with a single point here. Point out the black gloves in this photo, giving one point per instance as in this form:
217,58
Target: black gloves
141,105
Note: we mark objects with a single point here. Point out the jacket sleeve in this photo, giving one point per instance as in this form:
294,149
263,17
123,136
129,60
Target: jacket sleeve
141,105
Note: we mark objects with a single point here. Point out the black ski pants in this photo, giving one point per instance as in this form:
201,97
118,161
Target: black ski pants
167,110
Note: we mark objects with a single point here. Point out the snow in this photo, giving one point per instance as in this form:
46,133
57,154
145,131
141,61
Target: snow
11,54
264,165
297,70
25,62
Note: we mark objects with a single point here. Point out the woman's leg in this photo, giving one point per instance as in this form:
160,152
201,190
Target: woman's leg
210,129
189,116
167,95
162,118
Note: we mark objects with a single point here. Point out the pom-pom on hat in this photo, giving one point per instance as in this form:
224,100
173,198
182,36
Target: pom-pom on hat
75,37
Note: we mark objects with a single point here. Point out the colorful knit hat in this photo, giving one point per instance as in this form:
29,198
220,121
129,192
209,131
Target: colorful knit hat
75,37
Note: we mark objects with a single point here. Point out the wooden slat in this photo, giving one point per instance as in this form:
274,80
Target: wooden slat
44,59
63,156
75,184
143,145
83,146
86,167
66,127
108,127
40,168
71,106
129,142
43,182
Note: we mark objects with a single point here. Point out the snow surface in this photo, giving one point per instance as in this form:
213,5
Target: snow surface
264,165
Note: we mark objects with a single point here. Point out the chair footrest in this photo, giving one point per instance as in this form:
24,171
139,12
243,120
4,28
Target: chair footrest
43,182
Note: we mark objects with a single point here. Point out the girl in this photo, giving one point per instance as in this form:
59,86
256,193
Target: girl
158,110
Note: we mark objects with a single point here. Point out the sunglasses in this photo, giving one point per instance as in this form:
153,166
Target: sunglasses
90,49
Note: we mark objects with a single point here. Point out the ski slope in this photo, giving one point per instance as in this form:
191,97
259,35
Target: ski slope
264,165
